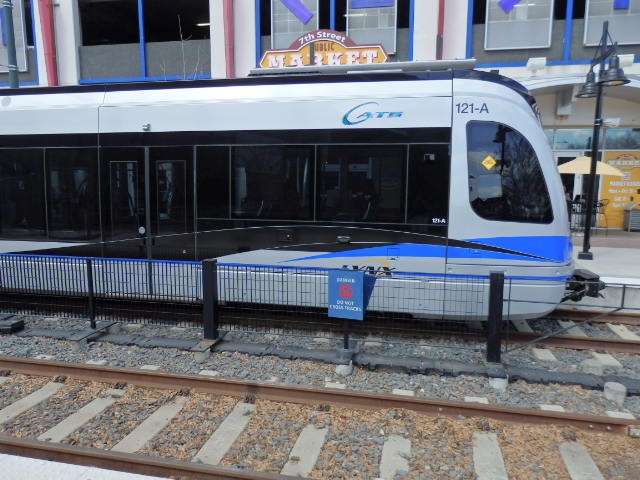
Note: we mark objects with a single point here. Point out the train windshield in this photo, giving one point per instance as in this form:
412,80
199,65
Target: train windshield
505,179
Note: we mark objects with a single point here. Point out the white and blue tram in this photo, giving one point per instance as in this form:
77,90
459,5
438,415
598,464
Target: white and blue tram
440,171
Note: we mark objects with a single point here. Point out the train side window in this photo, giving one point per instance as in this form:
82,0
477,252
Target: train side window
505,179
361,183
428,183
72,193
272,181
212,173
22,193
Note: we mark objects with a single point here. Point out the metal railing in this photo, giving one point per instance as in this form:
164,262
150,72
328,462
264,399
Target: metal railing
129,289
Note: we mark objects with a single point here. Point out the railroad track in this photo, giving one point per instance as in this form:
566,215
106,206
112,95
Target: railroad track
196,427
580,330
582,315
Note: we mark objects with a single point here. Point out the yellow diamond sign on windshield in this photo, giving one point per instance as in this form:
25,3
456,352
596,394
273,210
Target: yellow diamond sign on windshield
489,162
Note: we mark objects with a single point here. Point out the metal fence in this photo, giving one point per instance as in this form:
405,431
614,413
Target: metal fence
159,291
403,307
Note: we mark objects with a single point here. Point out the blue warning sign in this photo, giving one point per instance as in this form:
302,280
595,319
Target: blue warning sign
349,292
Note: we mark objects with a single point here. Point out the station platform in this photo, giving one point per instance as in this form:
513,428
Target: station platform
23,468
616,255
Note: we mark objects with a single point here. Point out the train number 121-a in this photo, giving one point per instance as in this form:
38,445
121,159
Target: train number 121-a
472,108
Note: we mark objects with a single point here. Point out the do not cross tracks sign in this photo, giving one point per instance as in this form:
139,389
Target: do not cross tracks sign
349,292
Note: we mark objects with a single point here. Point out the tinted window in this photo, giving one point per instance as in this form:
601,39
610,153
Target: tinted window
172,179
428,198
123,212
107,23
361,183
169,20
505,179
213,182
272,182
21,193
72,194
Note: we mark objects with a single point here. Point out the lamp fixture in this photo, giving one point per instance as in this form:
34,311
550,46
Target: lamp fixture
614,75
608,77
590,87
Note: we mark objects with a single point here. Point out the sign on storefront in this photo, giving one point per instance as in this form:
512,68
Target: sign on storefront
323,47
621,191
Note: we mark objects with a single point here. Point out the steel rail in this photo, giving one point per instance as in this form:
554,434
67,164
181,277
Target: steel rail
305,395
586,316
576,343
145,465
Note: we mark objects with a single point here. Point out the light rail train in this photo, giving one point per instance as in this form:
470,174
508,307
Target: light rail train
424,175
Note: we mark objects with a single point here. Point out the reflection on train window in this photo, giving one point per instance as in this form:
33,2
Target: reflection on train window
72,193
272,181
428,198
361,183
505,179
212,172
172,207
126,208
21,193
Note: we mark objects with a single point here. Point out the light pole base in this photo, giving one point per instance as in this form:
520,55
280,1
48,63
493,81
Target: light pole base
585,256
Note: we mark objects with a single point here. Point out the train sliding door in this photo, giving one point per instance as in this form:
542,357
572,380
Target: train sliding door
71,189
167,199
123,180
171,177
428,216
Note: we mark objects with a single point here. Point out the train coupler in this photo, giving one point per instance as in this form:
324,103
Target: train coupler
583,283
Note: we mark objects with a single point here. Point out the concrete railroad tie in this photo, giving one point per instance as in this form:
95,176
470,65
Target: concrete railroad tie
150,427
579,463
229,430
305,452
487,457
12,411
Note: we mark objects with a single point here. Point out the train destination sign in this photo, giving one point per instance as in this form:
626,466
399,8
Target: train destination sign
349,292
323,47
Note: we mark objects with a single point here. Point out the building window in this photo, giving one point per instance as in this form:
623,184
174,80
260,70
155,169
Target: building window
290,19
368,25
172,21
369,22
573,139
171,42
511,25
109,23
623,17
505,179
23,35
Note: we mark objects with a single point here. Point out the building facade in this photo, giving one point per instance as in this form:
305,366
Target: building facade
547,45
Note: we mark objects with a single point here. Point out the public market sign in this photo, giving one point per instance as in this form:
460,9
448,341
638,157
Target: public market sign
620,191
323,47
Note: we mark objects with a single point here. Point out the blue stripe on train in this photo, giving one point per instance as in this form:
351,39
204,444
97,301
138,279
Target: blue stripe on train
555,249
535,249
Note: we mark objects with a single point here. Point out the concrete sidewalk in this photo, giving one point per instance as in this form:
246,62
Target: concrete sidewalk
616,255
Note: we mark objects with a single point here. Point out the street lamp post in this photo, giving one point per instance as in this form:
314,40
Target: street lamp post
610,77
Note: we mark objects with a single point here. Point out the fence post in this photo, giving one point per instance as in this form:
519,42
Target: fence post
494,324
210,299
345,331
92,302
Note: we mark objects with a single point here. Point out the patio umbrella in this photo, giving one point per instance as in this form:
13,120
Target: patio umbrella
582,165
